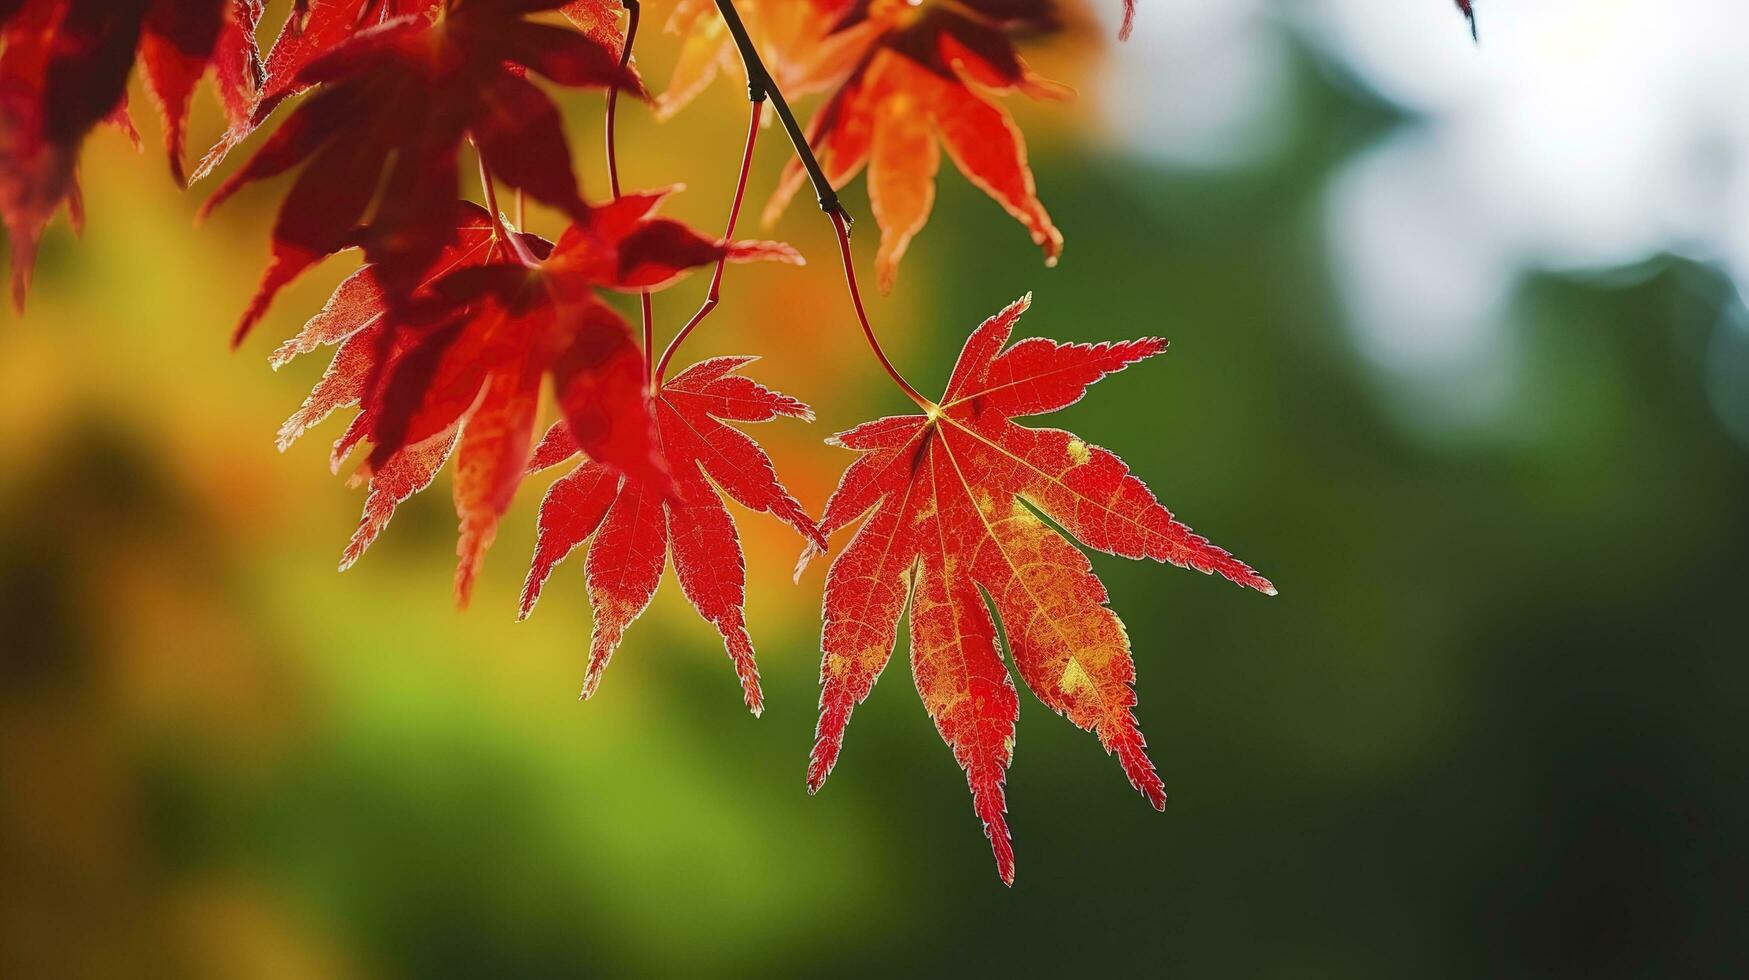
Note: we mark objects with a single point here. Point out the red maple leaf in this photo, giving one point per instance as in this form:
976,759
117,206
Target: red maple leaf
921,78
953,500
372,342
637,528
64,67
458,369
394,103
310,31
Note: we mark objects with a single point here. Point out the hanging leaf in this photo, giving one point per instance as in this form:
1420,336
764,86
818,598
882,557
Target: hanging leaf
636,529
64,67
918,80
953,500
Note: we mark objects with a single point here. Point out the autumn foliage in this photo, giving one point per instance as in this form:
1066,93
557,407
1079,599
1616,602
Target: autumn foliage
64,67
462,337
953,500
637,523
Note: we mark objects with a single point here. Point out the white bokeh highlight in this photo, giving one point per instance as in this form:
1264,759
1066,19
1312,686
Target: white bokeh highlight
1580,134
1199,83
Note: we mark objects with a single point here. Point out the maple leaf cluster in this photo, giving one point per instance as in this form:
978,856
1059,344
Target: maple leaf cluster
458,370
64,67
396,100
459,325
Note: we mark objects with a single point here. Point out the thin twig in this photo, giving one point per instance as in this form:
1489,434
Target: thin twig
841,225
760,84
515,241
714,294
625,58
645,306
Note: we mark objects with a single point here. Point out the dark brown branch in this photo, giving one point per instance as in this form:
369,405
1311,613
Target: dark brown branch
625,58
760,86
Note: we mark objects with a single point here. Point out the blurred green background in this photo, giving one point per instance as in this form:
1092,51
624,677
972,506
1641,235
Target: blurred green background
1491,726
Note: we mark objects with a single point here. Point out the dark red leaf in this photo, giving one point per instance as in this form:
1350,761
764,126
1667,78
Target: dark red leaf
64,67
395,102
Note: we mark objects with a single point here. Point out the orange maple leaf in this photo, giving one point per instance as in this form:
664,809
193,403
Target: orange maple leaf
953,499
913,79
793,38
